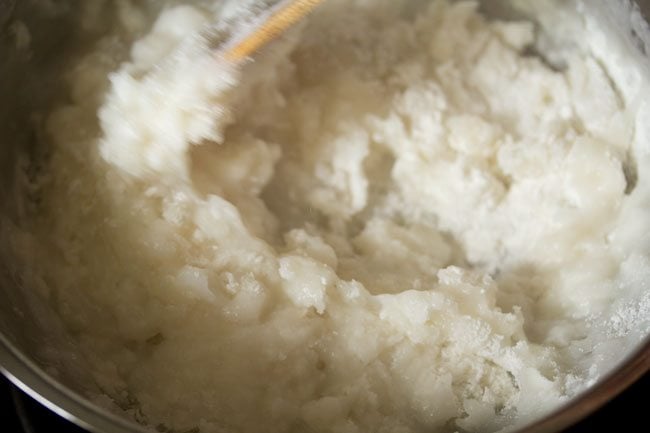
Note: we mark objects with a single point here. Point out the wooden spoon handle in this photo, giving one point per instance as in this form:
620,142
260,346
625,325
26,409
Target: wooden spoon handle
284,16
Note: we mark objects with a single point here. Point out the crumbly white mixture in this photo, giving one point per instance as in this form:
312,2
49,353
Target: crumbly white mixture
396,219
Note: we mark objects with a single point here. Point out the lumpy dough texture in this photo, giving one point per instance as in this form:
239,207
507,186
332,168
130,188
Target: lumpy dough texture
394,220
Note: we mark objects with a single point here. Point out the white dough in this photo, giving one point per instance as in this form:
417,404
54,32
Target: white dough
394,220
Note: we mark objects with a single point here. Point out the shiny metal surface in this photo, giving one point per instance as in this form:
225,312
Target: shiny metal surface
27,81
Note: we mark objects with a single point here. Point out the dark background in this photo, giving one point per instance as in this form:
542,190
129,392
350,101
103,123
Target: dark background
626,413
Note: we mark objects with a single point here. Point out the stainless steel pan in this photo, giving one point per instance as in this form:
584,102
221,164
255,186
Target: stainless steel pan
28,82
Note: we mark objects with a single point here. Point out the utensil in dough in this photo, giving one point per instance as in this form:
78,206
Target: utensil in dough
285,14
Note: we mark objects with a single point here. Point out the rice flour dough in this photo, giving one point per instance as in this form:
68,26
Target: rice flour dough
395,219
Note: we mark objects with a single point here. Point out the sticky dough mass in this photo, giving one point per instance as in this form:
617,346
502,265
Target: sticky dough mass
394,220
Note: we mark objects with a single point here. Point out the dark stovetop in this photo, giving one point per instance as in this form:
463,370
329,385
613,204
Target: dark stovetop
628,412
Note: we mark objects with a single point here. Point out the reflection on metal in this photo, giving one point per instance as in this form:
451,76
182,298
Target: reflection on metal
6,9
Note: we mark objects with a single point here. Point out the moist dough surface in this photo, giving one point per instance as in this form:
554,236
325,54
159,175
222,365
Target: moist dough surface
395,219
